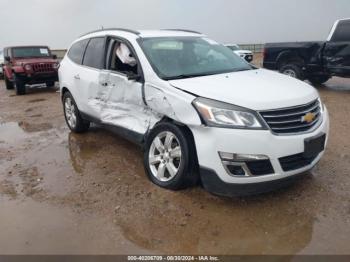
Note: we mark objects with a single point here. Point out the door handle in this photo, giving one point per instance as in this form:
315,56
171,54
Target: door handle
77,77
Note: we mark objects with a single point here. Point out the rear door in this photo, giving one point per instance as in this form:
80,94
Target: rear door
337,49
89,76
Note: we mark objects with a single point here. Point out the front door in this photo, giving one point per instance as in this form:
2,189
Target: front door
121,99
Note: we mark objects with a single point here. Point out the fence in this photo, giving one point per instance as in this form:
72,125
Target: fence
59,53
255,48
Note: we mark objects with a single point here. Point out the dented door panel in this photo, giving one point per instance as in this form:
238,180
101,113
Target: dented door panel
120,103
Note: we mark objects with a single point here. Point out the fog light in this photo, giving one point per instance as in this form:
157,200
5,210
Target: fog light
236,170
238,164
241,157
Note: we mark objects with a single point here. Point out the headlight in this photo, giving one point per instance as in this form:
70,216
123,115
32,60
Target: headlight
28,67
56,65
321,105
219,114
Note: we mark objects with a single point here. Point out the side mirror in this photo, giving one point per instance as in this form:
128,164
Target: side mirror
54,56
7,59
132,76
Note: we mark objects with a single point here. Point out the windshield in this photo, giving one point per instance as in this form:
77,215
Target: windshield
233,47
23,52
183,57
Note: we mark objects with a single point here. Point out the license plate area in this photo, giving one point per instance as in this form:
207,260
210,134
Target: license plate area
314,145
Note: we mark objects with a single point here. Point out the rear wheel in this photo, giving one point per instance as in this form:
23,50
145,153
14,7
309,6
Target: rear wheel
72,115
318,80
169,157
20,85
292,70
8,83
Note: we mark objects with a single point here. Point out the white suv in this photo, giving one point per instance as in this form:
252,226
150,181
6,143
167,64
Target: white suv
200,111
246,54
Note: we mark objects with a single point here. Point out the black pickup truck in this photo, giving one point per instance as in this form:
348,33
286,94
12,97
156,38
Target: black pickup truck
313,61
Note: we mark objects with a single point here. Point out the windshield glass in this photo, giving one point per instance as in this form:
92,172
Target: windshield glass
23,52
183,57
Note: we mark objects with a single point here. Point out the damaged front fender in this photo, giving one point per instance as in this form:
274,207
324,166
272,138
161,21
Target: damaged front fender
172,103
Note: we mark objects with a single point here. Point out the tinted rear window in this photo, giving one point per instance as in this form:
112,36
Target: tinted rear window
94,55
76,52
342,32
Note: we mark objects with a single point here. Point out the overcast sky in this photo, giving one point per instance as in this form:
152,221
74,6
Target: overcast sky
58,22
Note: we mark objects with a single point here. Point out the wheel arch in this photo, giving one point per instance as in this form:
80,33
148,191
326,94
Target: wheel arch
287,57
184,127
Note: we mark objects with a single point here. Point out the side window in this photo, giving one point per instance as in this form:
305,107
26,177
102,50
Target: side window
76,52
94,55
123,60
342,32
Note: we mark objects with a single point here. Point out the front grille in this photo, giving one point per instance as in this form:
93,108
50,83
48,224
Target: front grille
260,167
290,120
294,162
42,68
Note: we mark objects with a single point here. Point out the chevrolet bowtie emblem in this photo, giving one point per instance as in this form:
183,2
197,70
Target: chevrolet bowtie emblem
308,118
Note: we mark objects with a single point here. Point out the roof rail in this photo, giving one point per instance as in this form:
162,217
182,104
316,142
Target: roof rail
183,30
112,29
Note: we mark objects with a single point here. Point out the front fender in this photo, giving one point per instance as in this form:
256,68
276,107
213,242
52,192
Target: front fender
172,103
8,72
18,69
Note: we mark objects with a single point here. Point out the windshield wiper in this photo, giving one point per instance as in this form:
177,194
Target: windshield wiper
185,76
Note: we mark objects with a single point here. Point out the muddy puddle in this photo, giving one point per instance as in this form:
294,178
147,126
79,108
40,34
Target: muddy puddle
38,228
64,193
11,132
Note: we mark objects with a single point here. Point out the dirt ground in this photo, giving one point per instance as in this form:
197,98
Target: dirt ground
62,193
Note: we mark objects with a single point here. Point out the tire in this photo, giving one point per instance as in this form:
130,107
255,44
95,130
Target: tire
72,115
171,171
318,80
292,70
20,86
50,84
8,83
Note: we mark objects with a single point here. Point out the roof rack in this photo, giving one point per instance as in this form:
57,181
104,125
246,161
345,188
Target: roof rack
183,30
112,29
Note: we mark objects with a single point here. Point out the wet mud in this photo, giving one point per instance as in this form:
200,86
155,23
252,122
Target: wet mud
64,193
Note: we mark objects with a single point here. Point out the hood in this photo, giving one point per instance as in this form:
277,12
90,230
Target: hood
255,89
20,61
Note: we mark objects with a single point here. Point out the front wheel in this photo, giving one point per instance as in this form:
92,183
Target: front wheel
8,83
72,115
292,70
20,86
169,157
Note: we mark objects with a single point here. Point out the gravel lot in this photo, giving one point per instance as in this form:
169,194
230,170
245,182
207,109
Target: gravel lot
62,193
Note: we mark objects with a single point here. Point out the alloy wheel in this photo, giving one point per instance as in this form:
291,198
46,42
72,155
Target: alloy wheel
70,112
165,156
290,72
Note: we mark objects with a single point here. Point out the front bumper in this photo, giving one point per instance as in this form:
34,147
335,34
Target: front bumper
40,78
209,141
